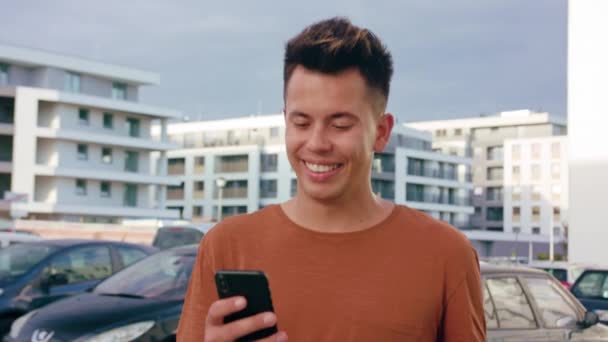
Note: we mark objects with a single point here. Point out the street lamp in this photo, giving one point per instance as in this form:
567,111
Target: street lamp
221,183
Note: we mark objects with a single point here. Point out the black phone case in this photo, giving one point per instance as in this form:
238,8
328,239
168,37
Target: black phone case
253,285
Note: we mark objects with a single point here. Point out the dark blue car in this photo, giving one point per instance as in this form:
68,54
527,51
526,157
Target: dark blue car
33,274
591,289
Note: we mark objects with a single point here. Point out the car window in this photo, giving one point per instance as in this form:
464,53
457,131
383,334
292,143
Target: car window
130,255
176,236
555,310
512,307
559,273
488,308
17,259
83,264
592,284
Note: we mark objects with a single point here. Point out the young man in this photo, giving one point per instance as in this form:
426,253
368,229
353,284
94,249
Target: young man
343,264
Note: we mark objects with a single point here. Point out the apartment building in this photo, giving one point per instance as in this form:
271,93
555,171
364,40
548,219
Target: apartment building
483,139
248,155
75,142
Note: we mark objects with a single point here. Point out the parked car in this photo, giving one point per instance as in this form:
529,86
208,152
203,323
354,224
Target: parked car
174,236
524,304
142,302
11,238
591,288
565,272
33,274
20,231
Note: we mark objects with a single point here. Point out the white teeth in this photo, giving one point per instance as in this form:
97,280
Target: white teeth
320,168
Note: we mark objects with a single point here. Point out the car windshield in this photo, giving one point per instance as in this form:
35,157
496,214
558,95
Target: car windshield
165,274
16,260
170,237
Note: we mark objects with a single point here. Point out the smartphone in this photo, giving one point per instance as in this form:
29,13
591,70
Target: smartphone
253,285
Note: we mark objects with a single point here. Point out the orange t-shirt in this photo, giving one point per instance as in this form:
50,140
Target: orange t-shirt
408,278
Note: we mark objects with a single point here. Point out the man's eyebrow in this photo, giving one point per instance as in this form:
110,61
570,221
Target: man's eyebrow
340,115
298,114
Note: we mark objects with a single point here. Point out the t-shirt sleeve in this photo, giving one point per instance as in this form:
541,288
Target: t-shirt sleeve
463,318
199,297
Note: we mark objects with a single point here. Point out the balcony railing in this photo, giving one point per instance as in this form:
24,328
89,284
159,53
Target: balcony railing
232,193
176,169
431,172
242,166
198,194
175,194
438,199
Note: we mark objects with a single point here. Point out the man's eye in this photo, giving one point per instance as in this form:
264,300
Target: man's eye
300,124
343,127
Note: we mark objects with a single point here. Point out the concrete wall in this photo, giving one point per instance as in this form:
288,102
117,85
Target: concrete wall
587,121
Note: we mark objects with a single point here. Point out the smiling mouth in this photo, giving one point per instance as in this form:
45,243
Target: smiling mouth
321,168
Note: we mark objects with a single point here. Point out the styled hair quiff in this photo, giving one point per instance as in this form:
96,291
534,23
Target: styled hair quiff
335,45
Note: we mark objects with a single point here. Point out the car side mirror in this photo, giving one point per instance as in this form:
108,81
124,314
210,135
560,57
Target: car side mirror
591,318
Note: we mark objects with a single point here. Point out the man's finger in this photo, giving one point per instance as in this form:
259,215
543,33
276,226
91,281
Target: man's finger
245,326
224,307
281,336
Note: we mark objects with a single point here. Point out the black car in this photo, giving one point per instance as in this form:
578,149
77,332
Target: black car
523,304
142,302
591,288
33,274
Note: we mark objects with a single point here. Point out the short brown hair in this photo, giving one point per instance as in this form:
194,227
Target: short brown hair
334,45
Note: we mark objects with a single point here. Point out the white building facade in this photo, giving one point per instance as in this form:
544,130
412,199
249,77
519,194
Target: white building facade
249,154
76,144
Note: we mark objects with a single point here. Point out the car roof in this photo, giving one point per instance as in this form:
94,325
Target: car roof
487,269
76,242
185,250
203,227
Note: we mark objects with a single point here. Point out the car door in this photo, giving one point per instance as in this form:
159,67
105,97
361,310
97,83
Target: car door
80,268
509,315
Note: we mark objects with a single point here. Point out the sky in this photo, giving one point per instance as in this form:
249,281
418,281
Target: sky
220,59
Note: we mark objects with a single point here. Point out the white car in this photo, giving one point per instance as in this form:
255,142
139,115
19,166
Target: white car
11,238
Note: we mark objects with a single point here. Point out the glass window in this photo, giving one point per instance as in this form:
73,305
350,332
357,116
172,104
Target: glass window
294,186
536,149
72,82
82,264
268,188
556,170
3,74
516,152
130,255
516,214
536,193
535,172
274,132
133,127
131,161
105,189
197,211
555,150
108,120
130,195
494,153
18,259
83,116
516,173
106,155
269,162
494,194
488,308
81,187
555,310
494,213
199,164
512,307
535,213
557,214
119,91
516,195
592,285
494,173
536,230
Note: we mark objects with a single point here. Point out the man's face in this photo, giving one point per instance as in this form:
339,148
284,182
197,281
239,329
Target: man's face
332,131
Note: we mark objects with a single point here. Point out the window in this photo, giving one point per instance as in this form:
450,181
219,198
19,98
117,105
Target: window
494,153
592,284
81,187
516,152
494,173
477,211
494,194
177,166
535,172
516,214
72,82
106,155
557,214
130,195
274,132
83,116
458,132
119,91
82,264
556,192
294,187
556,171
516,193
175,192
236,163
133,127
130,255
83,152
190,140
555,309
494,213
197,211
516,173
536,149
536,193
3,74
536,213
105,189
269,162
6,148
268,188
512,307
199,190
488,308
108,120
199,164
536,230
131,161
555,150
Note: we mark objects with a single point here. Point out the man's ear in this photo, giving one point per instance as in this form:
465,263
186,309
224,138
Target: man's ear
384,127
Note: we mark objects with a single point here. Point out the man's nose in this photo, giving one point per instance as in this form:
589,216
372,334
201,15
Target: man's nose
319,140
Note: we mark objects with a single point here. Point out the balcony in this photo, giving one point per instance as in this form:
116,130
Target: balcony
438,199
198,194
430,172
228,164
176,169
175,193
235,193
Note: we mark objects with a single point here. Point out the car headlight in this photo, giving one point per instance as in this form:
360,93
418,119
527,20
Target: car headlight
603,314
19,323
125,333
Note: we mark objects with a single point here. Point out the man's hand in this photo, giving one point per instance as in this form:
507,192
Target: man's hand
216,330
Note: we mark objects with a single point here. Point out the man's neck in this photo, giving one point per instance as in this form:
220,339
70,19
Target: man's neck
338,216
